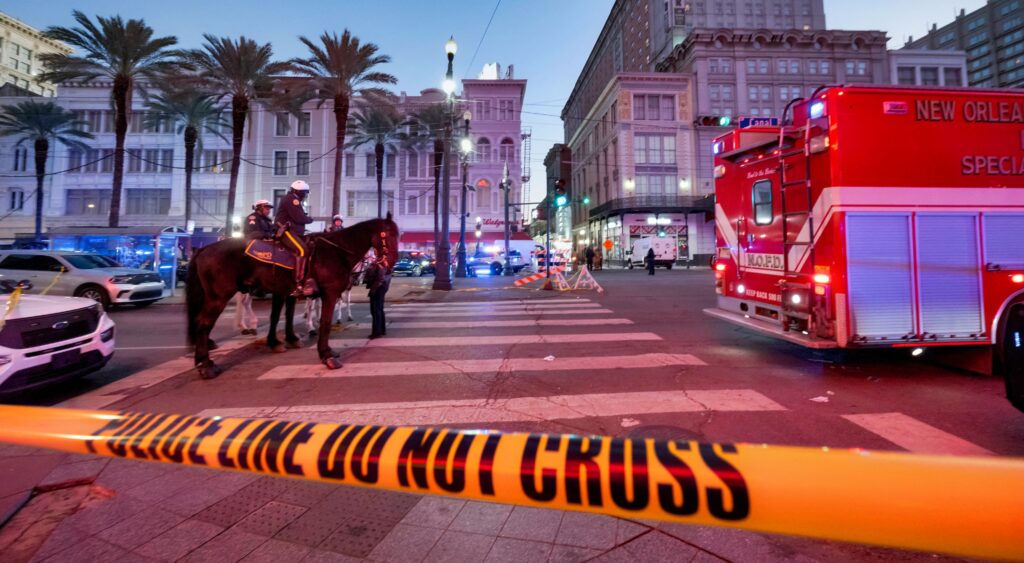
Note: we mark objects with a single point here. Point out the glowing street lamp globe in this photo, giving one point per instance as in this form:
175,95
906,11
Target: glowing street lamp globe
451,47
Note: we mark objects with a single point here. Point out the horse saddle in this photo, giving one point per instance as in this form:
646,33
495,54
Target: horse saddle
270,252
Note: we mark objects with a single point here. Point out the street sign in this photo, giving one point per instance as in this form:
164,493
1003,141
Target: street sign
608,244
745,122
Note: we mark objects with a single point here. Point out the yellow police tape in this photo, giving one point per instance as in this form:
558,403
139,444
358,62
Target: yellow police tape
962,506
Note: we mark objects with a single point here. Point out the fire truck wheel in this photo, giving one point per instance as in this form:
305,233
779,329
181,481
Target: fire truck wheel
1011,348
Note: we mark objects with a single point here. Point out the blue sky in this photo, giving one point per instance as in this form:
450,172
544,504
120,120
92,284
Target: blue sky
547,41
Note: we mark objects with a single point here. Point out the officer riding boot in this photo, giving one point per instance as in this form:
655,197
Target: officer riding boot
300,278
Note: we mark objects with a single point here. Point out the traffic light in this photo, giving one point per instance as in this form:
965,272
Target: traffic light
479,227
661,232
586,200
561,198
714,121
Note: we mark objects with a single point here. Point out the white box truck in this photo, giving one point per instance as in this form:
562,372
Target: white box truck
666,251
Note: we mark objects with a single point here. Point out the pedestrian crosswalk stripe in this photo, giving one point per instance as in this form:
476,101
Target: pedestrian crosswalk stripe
490,365
498,339
510,323
495,313
517,409
511,307
915,436
450,304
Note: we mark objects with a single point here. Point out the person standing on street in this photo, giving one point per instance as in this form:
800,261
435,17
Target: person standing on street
649,261
257,226
378,280
336,225
590,258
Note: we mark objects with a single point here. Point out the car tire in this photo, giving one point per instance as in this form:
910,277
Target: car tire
668,266
1010,357
495,269
96,293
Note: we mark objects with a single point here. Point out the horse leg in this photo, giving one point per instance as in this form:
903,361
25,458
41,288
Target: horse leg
290,339
327,356
276,303
346,303
211,310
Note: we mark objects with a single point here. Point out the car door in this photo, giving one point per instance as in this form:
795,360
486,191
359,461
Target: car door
16,267
45,270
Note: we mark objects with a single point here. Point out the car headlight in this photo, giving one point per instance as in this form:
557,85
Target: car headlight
107,335
424,263
121,279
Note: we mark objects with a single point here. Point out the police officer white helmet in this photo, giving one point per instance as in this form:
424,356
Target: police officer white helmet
260,203
300,186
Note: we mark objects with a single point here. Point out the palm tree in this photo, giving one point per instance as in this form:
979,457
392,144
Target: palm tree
241,70
124,52
40,123
193,112
428,124
380,124
340,68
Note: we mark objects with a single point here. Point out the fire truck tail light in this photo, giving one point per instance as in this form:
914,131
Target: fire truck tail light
720,266
816,110
719,171
822,278
1017,278
819,144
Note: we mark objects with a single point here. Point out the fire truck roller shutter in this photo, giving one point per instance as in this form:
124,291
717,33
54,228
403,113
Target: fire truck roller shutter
880,278
949,275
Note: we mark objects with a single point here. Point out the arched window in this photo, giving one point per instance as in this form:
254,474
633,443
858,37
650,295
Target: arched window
16,199
483,150
507,150
483,194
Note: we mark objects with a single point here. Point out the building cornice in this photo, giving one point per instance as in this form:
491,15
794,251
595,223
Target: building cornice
23,27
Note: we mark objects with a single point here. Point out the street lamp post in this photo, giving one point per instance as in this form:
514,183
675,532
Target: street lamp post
465,147
506,185
443,272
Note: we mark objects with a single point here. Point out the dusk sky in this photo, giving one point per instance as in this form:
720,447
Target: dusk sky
547,41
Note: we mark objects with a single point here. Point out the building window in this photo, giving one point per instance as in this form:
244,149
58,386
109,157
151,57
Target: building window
951,76
976,38
483,150
281,125
15,199
148,202
762,200
280,163
413,160
654,149
856,68
87,202
364,204
905,75
390,164
150,160
20,159
166,161
213,203
655,184
350,165
302,163
371,165
304,122
975,23
929,76
107,164
652,107
507,150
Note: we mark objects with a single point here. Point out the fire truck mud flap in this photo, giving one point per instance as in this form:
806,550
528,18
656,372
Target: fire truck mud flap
770,330
1013,355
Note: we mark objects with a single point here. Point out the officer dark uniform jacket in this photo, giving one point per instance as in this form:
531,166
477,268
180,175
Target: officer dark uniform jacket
258,226
294,219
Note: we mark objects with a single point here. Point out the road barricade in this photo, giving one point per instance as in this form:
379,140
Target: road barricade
539,276
961,506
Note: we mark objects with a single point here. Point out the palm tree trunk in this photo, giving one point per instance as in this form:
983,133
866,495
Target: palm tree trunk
191,136
378,151
239,110
340,128
438,155
121,91
42,148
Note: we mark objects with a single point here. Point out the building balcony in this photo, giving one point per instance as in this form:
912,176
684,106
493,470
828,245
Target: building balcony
653,204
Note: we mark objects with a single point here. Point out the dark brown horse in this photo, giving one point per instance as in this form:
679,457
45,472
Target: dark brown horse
221,269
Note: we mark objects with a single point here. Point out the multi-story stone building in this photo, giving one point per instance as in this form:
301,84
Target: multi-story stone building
278,149
756,73
992,36
20,47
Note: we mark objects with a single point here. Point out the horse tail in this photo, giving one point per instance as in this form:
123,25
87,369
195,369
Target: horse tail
194,298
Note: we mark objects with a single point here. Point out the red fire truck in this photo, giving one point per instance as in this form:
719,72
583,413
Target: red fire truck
879,217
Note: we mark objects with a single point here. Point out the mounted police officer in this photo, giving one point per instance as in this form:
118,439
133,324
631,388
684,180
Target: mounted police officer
258,224
292,218
336,225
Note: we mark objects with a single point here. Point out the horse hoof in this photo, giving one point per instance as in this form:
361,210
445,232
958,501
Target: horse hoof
333,363
294,345
209,372
335,354
277,348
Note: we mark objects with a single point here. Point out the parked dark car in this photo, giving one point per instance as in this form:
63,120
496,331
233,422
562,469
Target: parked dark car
414,263
493,262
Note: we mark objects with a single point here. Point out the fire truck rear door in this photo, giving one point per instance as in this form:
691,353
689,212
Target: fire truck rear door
879,259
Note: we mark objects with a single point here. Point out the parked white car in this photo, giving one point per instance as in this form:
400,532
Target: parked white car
46,340
81,274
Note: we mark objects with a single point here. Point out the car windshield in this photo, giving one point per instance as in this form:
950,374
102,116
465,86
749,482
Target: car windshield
90,261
